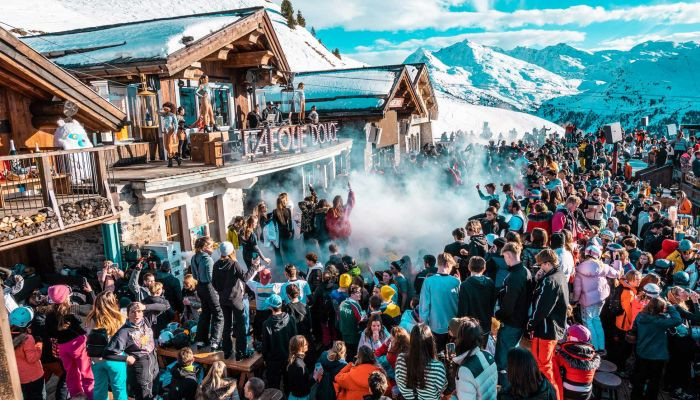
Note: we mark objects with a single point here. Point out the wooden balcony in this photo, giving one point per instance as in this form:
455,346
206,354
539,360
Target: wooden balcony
49,193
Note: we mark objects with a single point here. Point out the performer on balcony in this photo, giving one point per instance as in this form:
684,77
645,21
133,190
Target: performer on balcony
204,92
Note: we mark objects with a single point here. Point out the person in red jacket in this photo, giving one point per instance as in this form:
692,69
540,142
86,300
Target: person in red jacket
338,218
540,218
575,363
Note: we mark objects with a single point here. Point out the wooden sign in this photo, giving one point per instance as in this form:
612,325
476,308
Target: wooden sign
396,102
288,138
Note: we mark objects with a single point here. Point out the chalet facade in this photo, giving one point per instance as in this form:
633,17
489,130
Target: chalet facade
48,194
386,110
141,65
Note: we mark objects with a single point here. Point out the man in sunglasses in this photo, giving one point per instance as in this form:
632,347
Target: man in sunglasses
683,259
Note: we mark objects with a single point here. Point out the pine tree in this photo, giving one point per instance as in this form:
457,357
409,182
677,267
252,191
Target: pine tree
300,19
288,13
313,31
336,52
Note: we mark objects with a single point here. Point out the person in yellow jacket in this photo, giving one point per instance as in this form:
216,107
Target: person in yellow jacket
234,230
682,257
390,308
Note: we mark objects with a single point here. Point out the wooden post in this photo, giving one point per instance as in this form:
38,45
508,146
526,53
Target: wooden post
9,376
101,173
46,179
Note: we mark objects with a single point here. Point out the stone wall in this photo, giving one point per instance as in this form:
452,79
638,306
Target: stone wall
83,248
143,220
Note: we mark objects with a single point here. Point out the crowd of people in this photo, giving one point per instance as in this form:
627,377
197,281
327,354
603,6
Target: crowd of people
572,263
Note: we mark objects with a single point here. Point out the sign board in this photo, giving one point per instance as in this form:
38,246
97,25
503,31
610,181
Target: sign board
375,135
644,121
396,102
288,138
672,130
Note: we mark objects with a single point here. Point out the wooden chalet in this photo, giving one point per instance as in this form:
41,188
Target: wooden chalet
384,109
237,49
49,192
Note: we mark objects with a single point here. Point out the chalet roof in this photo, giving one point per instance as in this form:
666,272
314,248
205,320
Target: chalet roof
24,70
352,92
163,40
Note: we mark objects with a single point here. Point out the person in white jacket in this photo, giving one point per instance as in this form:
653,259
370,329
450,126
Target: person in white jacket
478,374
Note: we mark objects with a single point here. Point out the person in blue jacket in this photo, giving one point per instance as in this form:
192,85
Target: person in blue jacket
650,329
438,299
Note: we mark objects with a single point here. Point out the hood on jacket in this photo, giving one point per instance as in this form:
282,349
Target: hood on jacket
590,268
479,280
580,355
479,239
669,245
279,320
183,372
540,217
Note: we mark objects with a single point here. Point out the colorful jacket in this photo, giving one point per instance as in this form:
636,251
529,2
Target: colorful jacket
339,225
575,364
477,376
630,307
351,382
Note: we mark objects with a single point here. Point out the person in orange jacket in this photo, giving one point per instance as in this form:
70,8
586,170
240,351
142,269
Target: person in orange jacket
631,306
351,382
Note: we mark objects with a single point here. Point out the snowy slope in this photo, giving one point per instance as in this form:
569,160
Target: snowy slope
561,59
303,51
457,114
482,75
655,79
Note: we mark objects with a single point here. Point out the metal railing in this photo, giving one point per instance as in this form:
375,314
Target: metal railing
41,192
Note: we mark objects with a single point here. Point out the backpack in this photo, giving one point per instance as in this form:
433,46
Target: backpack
615,301
97,341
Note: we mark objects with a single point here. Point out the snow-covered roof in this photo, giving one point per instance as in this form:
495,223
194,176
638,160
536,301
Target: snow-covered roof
356,91
133,41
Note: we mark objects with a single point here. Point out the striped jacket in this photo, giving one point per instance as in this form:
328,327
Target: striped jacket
435,380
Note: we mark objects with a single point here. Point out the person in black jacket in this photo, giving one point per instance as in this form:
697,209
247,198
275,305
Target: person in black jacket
159,320
229,280
477,296
514,301
478,246
550,303
185,377
172,289
276,333
298,378
134,343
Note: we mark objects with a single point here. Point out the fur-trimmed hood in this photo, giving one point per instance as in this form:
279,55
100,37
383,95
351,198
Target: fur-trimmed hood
580,355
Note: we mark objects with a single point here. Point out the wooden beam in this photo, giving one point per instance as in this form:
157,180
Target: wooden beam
249,59
14,82
219,55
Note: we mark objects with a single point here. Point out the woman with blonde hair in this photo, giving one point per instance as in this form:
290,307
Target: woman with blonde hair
190,299
327,367
282,216
249,242
103,322
215,386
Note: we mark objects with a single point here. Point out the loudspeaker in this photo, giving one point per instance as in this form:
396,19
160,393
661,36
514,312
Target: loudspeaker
375,135
613,132
644,121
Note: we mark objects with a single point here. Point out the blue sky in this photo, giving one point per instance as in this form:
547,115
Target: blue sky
386,31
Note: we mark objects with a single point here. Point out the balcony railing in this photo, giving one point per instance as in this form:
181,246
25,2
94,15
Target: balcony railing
42,193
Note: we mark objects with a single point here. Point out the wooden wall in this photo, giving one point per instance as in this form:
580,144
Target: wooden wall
390,129
15,108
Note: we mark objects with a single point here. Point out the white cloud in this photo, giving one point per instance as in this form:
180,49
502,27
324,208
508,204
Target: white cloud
506,40
627,42
382,15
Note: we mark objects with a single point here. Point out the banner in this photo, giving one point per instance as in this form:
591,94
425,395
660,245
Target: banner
288,138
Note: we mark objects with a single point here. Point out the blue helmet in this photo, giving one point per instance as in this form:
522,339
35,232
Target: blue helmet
21,316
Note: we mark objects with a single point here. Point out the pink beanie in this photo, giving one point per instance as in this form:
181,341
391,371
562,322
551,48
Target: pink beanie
59,293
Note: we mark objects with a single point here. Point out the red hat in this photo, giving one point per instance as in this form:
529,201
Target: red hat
265,276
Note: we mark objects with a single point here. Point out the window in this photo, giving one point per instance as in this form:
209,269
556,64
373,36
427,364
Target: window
221,103
173,226
213,218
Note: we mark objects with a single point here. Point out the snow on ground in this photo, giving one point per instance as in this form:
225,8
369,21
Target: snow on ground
457,114
303,51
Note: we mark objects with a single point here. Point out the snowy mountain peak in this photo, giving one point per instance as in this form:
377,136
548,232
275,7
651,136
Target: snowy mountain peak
481,75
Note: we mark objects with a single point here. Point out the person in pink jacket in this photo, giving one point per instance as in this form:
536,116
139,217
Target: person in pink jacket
591,289
338,218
